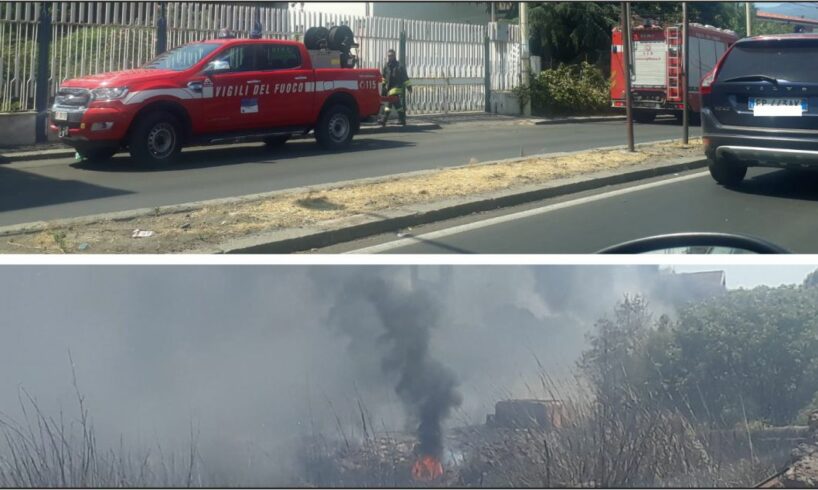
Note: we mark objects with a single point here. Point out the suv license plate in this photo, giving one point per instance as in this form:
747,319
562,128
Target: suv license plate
60,116
777,106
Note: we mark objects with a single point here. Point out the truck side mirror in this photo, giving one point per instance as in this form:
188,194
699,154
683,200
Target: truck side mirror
217,66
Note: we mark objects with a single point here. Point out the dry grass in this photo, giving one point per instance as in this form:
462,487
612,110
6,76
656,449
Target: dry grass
629,442
210,226
42,451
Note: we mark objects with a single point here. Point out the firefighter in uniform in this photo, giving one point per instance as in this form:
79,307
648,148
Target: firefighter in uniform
395,83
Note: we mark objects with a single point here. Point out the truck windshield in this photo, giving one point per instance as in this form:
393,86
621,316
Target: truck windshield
183,57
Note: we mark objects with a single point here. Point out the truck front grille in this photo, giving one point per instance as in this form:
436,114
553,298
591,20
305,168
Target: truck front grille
72,97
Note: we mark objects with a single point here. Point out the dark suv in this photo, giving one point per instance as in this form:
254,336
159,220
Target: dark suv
760,106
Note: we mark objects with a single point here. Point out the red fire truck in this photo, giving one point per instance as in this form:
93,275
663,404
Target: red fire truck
220,91
656,71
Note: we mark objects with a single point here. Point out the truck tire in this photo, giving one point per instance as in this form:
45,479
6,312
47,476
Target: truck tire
340,38
276,141
727,172
315,37
335,128
644,117
97,155
156,140
693,118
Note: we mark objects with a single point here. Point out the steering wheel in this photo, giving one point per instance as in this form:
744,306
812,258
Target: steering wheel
732,243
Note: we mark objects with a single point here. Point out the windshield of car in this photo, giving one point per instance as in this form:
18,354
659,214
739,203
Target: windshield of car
183,57
781,61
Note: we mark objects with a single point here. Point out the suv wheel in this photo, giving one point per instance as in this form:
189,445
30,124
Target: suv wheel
156,140
726,172
335,128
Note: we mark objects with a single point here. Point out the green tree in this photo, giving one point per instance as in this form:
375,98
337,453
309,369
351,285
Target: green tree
613,363
570,32
750,351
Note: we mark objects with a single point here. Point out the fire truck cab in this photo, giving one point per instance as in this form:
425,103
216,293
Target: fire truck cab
657,56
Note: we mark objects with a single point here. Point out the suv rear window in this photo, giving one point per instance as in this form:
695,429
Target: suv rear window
793,61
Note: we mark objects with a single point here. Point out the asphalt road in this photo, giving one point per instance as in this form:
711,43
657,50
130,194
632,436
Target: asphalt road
62,188
776,205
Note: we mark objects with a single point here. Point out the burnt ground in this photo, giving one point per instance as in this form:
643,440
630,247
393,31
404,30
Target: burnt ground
499,457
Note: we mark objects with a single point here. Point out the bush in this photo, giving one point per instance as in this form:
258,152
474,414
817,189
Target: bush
570,89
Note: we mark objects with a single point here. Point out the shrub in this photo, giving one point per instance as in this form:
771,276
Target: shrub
570,89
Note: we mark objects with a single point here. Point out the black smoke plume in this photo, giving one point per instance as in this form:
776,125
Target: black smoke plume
401,330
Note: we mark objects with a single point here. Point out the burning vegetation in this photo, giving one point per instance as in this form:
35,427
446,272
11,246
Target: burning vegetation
650,404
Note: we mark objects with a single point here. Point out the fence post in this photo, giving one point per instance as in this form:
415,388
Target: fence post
42,90
487,69
402,61
402,46
162,29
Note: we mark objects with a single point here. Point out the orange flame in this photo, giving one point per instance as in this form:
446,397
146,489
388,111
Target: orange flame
427,468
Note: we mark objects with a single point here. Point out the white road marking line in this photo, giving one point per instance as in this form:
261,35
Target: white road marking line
435,235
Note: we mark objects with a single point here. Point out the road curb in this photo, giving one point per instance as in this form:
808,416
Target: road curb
357,227
44,154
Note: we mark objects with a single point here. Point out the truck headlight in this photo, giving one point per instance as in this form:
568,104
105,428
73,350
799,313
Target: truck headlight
108,93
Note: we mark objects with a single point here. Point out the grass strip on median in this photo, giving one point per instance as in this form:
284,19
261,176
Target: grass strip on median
210,224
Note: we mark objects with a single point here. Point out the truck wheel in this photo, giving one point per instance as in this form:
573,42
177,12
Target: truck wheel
335,128
726,172
97,155
644,117
693,118
156,140
276,141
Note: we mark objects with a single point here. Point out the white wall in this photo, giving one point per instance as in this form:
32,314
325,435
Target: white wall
350,8
460,12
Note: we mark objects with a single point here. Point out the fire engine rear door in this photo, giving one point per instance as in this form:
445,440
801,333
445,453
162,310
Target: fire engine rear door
649,63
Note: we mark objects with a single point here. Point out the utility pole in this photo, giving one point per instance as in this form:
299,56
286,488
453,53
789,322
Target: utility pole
685,83
162,29
493,11
749,16
626,46
525,60
41,87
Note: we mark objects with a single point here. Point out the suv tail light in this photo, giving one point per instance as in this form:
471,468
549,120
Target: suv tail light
706,84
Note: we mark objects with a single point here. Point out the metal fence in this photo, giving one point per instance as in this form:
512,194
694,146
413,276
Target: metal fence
446,61
18,55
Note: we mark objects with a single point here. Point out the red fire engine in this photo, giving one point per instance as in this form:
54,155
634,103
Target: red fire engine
656,66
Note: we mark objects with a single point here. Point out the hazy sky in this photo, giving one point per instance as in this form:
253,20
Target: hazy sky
255,356
744,276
